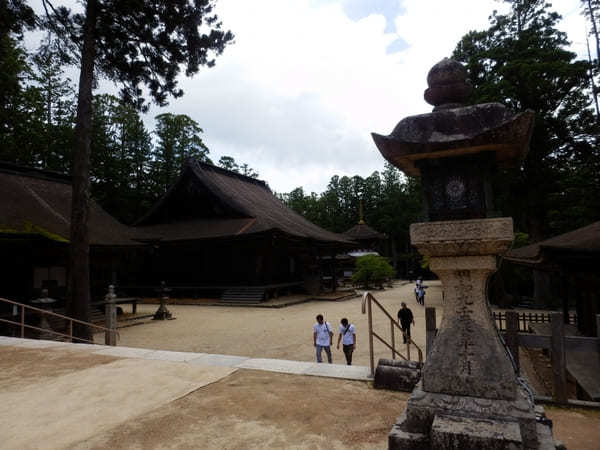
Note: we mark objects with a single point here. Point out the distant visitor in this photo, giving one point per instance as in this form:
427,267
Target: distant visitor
405,317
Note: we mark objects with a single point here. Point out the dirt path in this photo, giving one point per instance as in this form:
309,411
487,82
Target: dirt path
251,409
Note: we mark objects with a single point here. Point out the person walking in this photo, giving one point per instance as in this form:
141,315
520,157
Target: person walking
322,338
420,294
347,334
405,318
418,287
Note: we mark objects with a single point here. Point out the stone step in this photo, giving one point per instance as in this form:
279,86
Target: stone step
452,432
397,375
246,295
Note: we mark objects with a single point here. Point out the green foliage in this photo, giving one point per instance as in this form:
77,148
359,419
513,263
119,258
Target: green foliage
178,139
521,240
372,269
391,203
15,15
229,163
522,61
143,42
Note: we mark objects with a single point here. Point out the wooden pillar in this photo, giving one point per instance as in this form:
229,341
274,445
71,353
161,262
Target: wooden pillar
512,337
110,317
564,295
598,325
333,272
559,360
430,329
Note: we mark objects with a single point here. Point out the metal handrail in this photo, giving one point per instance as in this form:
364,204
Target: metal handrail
22,324
367,299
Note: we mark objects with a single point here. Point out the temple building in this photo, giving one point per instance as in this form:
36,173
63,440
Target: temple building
574,258
216,232
35,219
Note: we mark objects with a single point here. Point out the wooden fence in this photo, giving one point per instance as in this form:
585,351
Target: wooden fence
524,319
559,345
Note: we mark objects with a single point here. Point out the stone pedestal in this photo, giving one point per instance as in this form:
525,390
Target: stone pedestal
469,396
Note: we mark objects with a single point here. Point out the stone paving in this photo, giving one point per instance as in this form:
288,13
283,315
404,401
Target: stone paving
360,373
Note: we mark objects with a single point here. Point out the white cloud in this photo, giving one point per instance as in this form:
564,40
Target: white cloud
298,94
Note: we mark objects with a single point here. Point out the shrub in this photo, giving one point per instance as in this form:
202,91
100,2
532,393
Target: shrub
372,269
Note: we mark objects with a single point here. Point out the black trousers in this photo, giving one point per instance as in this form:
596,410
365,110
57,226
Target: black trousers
406,329
348,349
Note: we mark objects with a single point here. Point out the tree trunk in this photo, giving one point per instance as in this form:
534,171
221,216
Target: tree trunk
542,292
592,83
80,243
594,29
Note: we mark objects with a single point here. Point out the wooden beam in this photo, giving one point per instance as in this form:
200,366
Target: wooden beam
572,343
512,337
430,329
559,360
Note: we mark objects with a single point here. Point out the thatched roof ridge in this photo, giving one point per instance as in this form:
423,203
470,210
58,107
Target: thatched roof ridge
39,202
244,206
585,240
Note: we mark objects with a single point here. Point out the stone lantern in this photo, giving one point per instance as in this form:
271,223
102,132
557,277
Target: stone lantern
469,396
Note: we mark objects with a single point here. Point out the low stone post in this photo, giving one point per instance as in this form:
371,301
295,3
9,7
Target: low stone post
512,337
430,329
110,317
162,313
559,360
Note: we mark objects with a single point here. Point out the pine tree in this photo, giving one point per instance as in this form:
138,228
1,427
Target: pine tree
132,42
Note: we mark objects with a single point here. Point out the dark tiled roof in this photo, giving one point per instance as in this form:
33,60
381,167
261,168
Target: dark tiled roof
40,202
219,203
585,240
362,231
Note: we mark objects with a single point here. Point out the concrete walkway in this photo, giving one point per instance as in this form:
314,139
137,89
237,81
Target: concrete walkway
360,373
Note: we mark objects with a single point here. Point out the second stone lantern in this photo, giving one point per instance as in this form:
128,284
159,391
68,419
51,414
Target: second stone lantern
469,396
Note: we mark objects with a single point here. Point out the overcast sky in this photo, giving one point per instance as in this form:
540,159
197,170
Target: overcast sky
306,81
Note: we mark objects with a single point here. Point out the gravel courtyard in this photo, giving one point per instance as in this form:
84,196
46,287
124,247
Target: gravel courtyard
282,333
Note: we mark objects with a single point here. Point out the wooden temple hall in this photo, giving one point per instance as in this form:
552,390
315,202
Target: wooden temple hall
215,233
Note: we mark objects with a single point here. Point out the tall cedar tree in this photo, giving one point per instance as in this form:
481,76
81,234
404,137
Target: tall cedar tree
135,43
15,17
591,11
522,60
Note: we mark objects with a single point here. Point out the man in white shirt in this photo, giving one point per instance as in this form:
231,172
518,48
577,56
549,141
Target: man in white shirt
322,338
348,337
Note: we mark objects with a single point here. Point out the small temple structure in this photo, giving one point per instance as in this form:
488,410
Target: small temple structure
367,238
469,396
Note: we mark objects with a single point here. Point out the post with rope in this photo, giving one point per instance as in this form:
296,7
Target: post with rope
110,317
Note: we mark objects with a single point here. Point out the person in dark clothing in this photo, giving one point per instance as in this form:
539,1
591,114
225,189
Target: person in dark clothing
348,337
405,318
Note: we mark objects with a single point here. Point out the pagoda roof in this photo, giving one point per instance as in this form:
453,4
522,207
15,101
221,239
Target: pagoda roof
362,231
